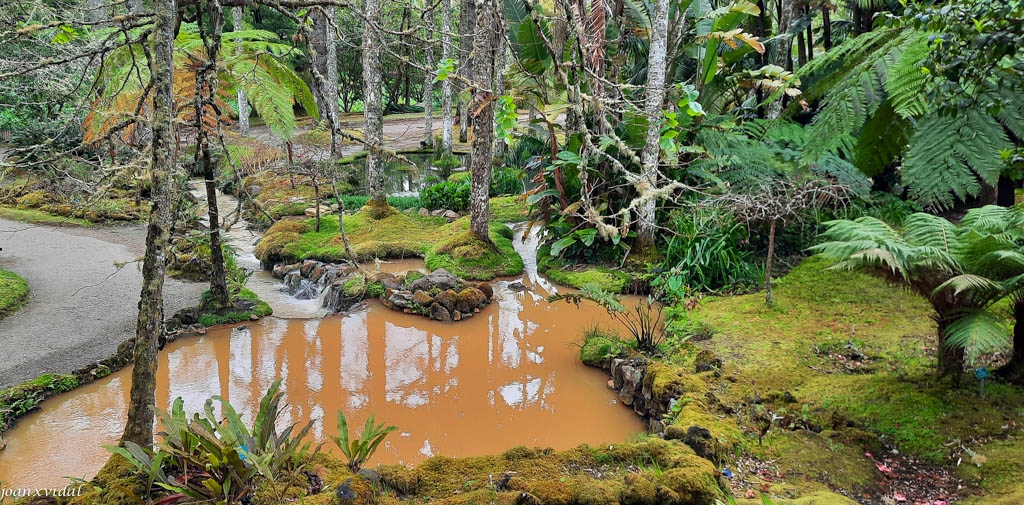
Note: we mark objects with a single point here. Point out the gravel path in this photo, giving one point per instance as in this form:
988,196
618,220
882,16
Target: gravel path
80,307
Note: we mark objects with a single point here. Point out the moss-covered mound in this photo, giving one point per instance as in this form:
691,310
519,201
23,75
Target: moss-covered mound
392,235
16,401
13,292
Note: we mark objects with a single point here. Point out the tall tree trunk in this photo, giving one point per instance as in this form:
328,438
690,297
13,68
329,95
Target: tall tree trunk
331,84
784,45
500,51
97,11
1014,369
487,24
206,90
768,265
428,76
950,359
149,327
467,24
801,49
374,132
318,62
810,36
657,65
447,121
243,101
826,27
1007,192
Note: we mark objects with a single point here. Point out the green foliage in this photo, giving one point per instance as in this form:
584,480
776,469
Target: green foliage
13,290
508,181
706,252
446,195
222,461
642,321
352,202
358,450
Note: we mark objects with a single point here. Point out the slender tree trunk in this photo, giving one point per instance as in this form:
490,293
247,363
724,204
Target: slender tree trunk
149,328
801,49
484,44
500,145
826,27
428,77
784,47
374,132
97,11
318,62
206,90
951,359
467,24
331,84
446,86
810,38
768,265
657,65
1014,369
341,215
243,101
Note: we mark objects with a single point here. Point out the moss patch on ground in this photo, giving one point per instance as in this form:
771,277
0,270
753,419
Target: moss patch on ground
392,235
614,281
16,401
508,209
13,292
888,395
39,217
232,315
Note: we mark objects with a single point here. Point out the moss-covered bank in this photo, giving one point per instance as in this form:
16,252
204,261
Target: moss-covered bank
13,292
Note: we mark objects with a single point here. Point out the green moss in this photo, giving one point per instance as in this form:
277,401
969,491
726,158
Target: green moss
40,217
354,286
13,292
1001,465
466,257
597,348
16,401
614,281
460,177
231,316
506,209
117,483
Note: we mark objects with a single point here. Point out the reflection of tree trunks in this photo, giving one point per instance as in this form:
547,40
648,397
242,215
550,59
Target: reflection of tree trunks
447,121
655,96
374,132
484,44
149,327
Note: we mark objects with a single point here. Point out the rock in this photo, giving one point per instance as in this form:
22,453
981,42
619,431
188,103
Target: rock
371,476
324,210
292,281
254,190
318,272
307,267
422,298
447,299
401,299
440,279
469,299
788,397
424,212
280,270
450,215
486,288
334,207
392,282
410,211
517,287
345,493
456,316
438,212
700,440
439,313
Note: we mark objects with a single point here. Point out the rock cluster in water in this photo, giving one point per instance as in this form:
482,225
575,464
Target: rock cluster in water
438,295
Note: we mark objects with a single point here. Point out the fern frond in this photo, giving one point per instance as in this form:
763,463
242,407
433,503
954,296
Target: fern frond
905,79
950,157
979,332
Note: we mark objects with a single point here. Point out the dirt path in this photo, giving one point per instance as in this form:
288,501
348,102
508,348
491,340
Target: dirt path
80,307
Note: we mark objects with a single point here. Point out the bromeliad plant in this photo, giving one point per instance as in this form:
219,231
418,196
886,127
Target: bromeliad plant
205,459
358,450
643,321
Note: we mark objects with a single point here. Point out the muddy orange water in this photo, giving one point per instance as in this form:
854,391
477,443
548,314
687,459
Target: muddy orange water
509,376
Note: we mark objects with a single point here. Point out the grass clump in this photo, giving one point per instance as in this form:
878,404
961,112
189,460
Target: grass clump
39,217
599,346
13,292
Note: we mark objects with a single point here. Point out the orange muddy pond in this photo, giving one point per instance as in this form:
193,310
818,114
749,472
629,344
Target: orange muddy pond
509,376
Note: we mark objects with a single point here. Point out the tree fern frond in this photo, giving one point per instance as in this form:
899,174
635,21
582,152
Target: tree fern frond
882,141
289,80
949,157
979,332
905,79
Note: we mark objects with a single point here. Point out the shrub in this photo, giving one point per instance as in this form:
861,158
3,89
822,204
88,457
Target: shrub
446,195
508,181
358,450
707,253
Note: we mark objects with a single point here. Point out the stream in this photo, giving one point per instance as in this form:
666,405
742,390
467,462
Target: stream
510,376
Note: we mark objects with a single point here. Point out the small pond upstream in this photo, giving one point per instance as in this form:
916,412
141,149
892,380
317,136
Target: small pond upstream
509,376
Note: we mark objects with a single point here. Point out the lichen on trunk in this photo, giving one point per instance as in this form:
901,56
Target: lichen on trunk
374,131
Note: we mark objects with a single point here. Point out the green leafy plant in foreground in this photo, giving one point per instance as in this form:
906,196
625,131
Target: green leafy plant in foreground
642,321
358,450
205,459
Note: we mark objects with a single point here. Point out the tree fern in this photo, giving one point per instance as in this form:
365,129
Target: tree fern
905,78
882,141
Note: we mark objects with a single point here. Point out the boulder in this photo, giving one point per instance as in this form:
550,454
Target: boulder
424,212
456,316
706,362
706,446
422,298
439,313
469,299
440,279
307,267
450,215
447,299
318,272
401,299
438,212
281,269
324,210
486,288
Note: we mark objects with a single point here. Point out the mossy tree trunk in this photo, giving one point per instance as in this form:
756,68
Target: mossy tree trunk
374,131
243,101
447,121
657,65
331,81
428,76
205,92
149,327
484,49
467,28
